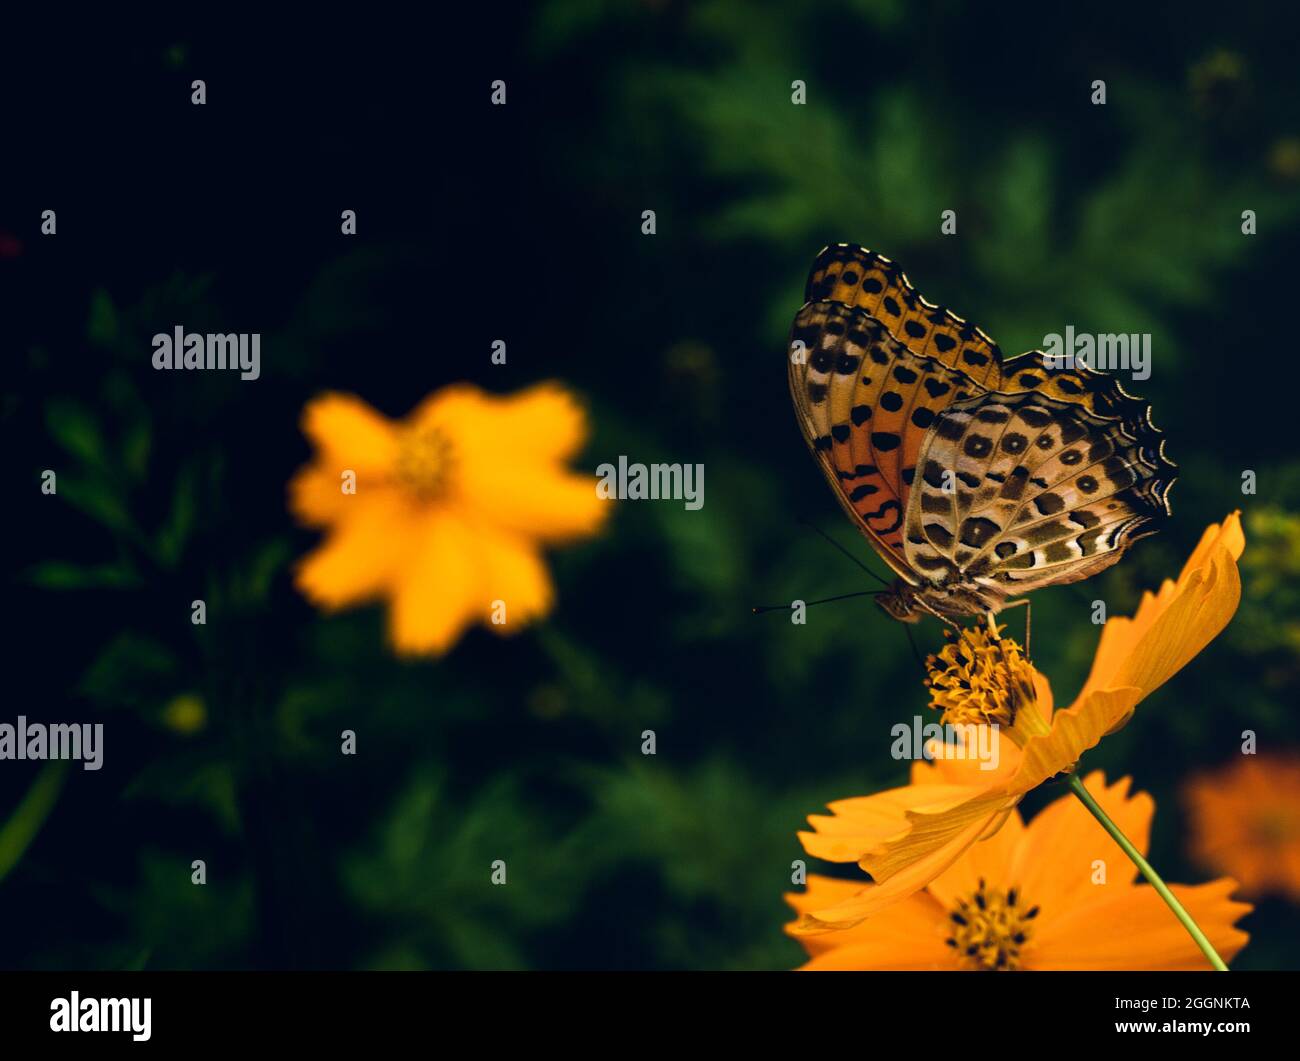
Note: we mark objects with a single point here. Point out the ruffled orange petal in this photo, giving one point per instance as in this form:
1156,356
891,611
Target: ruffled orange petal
1174,624
543,502
1074,730
1055,865
1132,928
991,859
910,936
933,830
912,875
363,553
960,763
440,592
856,826
543,423
1136,656
349,434
513,573
316,496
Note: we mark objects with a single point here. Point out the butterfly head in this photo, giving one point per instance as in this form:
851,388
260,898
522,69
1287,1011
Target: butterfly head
899,601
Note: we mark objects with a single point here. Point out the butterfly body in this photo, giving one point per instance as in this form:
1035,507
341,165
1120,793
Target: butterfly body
975,477
907,603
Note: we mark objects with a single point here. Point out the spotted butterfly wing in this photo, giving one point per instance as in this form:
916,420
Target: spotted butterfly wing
885,382
1023,491
864,401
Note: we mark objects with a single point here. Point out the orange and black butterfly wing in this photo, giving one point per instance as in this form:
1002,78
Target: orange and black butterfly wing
1022,491
855,276
865,402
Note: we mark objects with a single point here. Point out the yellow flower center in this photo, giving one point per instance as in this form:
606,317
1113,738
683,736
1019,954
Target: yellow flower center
983,679
423,461
989,929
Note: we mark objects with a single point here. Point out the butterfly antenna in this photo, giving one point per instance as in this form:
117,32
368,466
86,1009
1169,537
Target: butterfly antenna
761,609
836,545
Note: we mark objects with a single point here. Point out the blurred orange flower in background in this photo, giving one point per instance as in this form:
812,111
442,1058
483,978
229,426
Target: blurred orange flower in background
905,837
1245,820
1057,893
443,514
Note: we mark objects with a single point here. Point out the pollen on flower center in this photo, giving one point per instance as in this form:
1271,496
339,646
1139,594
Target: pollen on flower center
423,461
979,678
989,929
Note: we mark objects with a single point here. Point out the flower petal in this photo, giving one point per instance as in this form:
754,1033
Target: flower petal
857,825
904,883
1055,865
1136,656
990,859
543,502
935,830
441,591
513,573
1171,626
820,891
979,757
910,936
1132,928
316,496
349,434
1074,730
544,423
362,554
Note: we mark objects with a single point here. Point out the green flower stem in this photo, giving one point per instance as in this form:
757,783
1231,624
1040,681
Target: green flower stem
1193,929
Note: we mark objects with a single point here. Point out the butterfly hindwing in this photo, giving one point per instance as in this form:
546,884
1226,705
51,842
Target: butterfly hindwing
1018,491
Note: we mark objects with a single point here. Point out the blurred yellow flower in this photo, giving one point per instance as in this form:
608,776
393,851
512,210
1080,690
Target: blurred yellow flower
185,714
443,514
905,837
1057,893
1245,820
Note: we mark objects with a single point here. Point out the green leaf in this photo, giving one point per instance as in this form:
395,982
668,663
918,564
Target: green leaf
137,441
75,429
57,575
26,821
99,501
101,328
175,532
133,669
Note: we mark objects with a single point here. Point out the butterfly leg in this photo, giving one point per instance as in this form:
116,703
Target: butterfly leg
1017,604
938,615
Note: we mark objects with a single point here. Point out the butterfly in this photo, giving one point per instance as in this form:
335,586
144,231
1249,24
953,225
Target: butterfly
977,478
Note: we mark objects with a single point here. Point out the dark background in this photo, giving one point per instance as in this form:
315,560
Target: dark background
523,222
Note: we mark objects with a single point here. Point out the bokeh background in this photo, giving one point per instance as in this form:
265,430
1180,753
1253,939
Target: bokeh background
523,223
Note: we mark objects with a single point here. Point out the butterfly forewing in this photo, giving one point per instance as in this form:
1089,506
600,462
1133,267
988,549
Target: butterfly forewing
865,402
855,276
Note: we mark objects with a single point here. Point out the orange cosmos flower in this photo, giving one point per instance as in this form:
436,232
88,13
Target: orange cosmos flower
905,837
442,514
1246,821
1057,893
